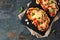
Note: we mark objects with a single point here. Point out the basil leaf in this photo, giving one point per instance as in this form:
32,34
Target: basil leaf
21,9
53,31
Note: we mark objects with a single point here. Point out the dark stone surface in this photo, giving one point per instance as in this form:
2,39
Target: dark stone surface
9,22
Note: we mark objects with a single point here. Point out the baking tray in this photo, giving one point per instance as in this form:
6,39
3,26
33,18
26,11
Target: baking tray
31,26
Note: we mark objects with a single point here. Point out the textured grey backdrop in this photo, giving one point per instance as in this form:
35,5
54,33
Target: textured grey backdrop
11,27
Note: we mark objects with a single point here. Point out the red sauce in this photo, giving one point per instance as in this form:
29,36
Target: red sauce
52,14
35,23
49,6
46,18
30,11
40,1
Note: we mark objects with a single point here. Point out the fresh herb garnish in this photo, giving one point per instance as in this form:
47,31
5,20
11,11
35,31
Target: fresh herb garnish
21,9
38,17
51,1
44,19
41,16
39,22
53,31
51,10
33,14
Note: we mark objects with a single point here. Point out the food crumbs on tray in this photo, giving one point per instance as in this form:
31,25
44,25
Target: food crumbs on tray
53,31
26,20
27,23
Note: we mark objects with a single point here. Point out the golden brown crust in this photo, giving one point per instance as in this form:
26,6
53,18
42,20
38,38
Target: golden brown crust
29,11
39,18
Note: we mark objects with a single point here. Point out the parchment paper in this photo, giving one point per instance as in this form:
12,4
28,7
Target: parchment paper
35,33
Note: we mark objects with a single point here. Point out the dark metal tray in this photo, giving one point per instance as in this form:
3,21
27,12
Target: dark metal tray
33,4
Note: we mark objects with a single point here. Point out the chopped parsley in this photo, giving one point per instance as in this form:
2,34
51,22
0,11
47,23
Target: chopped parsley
33,14
39,22
21,9
51,10
41,16
44,19
38,17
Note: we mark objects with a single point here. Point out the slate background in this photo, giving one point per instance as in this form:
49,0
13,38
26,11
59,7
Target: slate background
11,27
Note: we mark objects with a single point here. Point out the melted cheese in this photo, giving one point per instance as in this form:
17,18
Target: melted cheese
44,2
37,14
